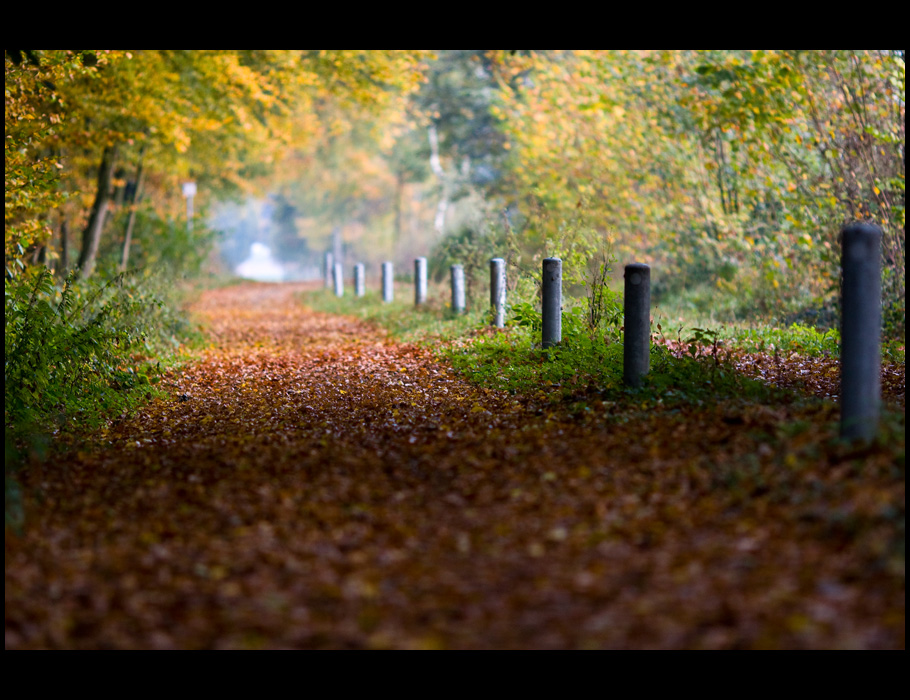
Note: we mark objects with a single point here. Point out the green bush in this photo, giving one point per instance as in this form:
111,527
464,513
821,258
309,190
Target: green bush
894,321
472,249
74,351
77,353
167,246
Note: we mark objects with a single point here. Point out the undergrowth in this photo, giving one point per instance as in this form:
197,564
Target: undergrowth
588,366
809,328
79,352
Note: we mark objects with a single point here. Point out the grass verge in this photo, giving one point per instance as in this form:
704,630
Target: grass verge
582,373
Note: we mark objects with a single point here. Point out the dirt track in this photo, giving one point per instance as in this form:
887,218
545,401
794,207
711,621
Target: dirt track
312,484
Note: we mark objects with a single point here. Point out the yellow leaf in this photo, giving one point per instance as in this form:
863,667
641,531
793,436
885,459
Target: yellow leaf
477,408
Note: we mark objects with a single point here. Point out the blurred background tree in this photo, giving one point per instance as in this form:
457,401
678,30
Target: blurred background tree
730,171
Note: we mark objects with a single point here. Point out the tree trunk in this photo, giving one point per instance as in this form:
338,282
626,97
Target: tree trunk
134,201
439,220
64,246
399,193
39,255
337,245
91,236
119,188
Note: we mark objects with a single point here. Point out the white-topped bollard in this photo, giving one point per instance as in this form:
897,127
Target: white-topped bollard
388,282
636,355
328,269
458,303
551,306
420,281
359,281
498,291
861,329
338,278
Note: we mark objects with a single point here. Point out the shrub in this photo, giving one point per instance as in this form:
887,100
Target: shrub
74,351
472,249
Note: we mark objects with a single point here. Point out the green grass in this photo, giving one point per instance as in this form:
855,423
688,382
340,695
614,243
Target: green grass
585,367
801,339
741,327
433,321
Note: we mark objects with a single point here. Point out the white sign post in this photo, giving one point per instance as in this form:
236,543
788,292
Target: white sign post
189,191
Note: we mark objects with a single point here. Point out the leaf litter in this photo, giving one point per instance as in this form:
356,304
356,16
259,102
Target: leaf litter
314,484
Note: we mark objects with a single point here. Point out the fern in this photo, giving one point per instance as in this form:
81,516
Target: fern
70,348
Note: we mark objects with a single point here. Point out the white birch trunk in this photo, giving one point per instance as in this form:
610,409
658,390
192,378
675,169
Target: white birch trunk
436,166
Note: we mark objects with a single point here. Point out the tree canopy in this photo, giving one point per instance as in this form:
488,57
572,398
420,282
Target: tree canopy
225,119
733,170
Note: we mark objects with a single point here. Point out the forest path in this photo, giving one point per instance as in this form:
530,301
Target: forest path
313,484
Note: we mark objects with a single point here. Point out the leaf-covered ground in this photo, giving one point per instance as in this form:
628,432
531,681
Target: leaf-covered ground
312,484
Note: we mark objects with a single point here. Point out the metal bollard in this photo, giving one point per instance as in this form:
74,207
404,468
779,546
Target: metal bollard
551,309
861,329
338,276
388,282
636,354
420,281
359,283
328,268
498,291
458,304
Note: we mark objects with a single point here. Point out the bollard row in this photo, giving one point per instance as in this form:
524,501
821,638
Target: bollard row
861,317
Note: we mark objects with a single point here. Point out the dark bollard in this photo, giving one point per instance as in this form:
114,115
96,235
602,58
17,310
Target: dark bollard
388,282
328,268
359,282
551,309
420,281
338,277
637,336
458,304
861,328
498,291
